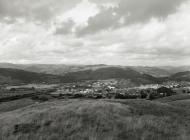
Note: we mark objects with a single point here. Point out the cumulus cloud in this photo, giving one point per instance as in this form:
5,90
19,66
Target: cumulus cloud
41,10
130,12
123,34
65,28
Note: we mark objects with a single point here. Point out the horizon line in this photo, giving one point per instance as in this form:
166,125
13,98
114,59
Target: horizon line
73,64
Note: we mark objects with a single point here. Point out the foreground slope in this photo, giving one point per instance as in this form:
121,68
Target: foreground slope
173,98
96,120
180,101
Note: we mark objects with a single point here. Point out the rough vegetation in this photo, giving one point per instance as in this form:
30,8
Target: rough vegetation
96,120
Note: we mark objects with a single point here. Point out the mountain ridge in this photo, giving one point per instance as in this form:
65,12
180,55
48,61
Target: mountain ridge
62,69
9,75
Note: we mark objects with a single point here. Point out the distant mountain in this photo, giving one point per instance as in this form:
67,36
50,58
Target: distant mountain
181,76
61,69
14,76
55,69
110,73
11,66
69,73
154,71
175,69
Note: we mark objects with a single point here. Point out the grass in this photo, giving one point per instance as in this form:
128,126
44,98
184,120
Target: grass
16,104
181,101
96,120
174,98
185,104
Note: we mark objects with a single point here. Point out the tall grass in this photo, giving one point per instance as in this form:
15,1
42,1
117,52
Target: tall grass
96,120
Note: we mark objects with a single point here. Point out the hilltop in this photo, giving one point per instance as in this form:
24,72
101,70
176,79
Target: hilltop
61,69
21,76
17,76
111,73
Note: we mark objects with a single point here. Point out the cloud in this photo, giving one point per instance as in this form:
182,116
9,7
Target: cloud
65,28
103,20
129,12
107,37
41,10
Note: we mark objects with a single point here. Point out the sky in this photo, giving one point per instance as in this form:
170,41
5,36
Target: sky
113,32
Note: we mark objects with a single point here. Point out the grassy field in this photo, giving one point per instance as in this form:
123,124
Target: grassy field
95,120
13,105
181,101
174,98
185,104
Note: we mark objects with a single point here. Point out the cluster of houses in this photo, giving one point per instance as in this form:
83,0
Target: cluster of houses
97,89
109,89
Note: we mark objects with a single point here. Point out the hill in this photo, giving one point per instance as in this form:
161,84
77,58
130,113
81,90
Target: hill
110,73
96,120
175,69
14,76
55,69
181,76
61,69
153,71
10,76
180,101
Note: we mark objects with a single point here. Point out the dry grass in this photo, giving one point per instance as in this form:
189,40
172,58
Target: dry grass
184,104
181,101
174,98
16,104
96,120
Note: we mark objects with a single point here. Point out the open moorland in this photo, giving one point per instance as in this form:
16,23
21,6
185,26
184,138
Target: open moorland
95,120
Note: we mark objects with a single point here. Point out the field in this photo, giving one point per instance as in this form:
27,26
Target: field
13,105
181,101
76,119
173,98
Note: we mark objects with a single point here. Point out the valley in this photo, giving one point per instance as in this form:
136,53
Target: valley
109,103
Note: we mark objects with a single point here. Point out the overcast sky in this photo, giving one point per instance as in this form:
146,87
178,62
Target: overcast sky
117,32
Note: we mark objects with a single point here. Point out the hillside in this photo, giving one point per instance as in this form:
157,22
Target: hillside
55,69
14,76
181,76
153,71
61,69
110,73
176,69
181,100
96,120
10,76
